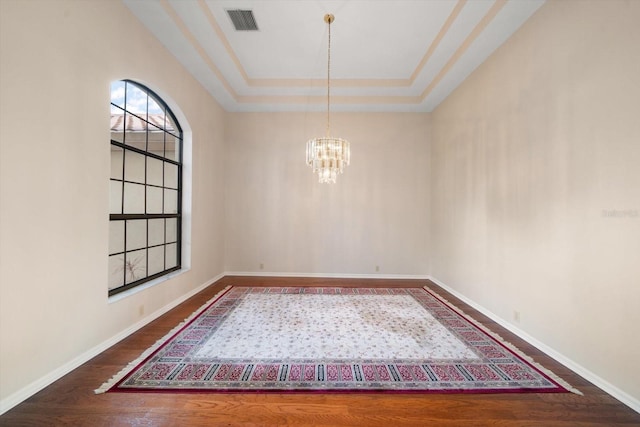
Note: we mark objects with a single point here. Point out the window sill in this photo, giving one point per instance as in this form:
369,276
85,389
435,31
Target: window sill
151,283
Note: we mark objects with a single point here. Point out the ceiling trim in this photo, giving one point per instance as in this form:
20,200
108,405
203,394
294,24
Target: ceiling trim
436,42
356,84
251,82
300,82
486,19
214,24
335,99
197,46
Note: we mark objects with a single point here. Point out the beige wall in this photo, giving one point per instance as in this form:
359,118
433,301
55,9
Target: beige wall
533,173
58,60
536,185
375,215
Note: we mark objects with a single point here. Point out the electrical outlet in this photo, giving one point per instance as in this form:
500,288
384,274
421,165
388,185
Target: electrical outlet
516,316
141,310
262,266
377,268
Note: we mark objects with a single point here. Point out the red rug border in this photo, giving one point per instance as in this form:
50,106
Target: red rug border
485,330
167,339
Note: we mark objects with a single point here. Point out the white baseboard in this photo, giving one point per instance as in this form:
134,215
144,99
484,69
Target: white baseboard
328,275
31,389
606,386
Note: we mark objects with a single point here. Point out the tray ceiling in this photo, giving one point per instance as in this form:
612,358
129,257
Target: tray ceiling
386,55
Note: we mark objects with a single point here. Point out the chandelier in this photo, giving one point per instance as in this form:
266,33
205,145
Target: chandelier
328,155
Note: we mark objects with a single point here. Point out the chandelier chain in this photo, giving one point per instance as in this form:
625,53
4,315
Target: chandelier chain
329,80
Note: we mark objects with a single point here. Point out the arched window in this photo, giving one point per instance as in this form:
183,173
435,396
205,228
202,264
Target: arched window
145,217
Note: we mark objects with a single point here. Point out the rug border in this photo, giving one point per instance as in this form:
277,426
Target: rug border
119,377
149,352
551,376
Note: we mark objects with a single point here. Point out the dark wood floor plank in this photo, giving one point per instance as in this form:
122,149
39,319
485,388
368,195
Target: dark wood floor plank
71,401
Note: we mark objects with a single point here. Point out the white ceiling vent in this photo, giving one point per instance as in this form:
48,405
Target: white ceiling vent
243,20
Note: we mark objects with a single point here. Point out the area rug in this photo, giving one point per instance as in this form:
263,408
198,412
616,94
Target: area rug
332,339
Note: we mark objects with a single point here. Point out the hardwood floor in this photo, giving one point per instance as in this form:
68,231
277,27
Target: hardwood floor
71,401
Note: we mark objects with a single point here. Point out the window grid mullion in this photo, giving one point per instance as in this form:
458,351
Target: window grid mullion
124,256
143,152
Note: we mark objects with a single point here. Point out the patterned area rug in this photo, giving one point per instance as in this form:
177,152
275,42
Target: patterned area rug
332,339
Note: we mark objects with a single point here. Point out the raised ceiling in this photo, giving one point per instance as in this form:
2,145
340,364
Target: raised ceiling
386,55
